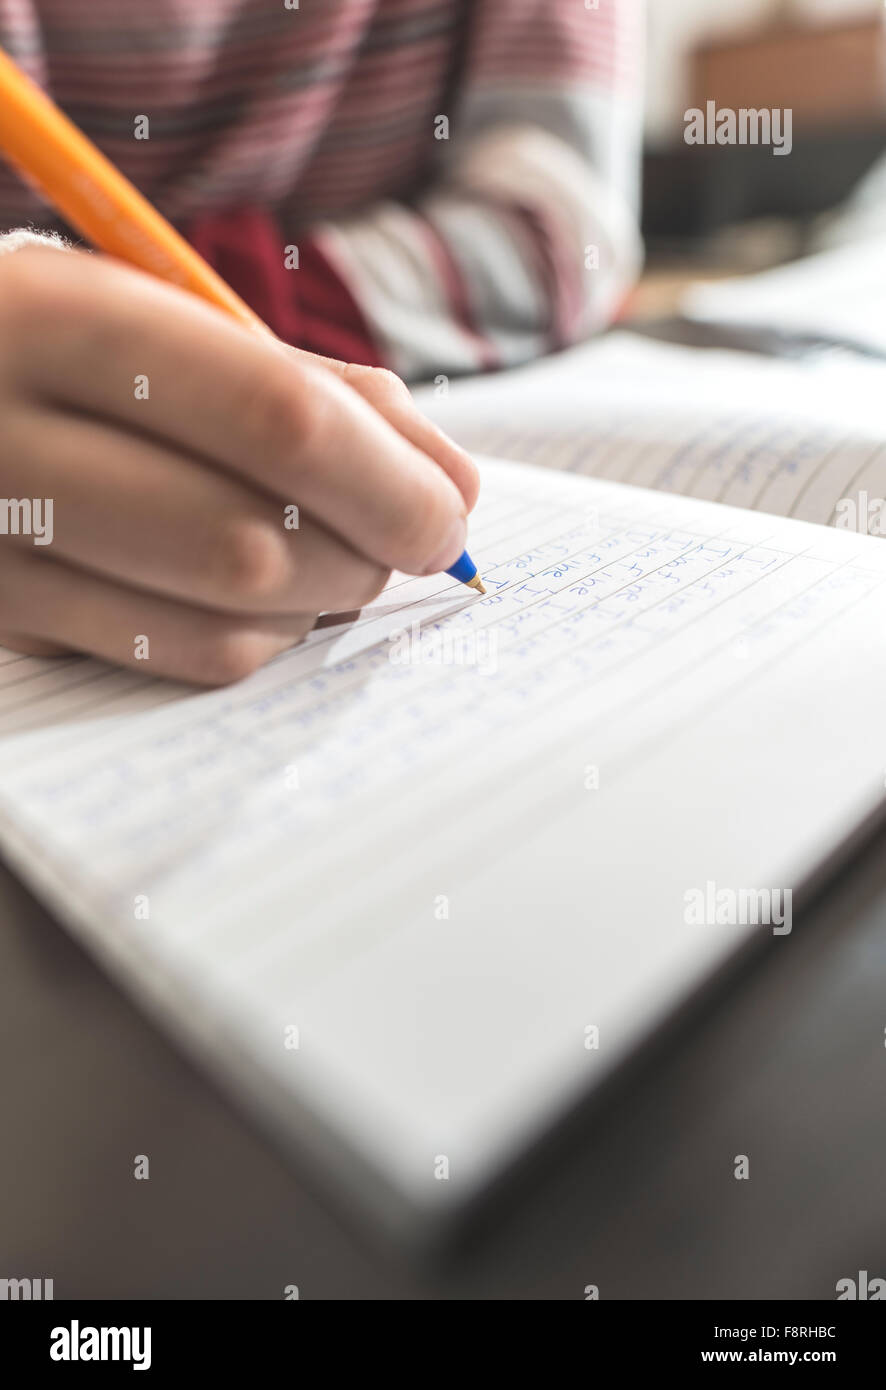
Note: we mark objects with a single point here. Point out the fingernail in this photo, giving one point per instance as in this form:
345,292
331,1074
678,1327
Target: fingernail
455,544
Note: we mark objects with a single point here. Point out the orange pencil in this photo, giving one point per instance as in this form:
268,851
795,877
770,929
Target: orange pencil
92,195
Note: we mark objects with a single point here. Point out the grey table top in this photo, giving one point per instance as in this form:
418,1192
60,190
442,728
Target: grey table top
786,1063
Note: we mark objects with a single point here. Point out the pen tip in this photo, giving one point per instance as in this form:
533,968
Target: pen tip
477,583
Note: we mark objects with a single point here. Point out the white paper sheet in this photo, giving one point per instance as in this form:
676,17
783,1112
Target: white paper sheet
837,295
782,437
445,841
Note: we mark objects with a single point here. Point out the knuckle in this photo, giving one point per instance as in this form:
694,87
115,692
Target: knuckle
253,561
379,383
313,416
285,414
263,408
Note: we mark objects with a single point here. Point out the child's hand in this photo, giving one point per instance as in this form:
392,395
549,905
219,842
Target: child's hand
174,446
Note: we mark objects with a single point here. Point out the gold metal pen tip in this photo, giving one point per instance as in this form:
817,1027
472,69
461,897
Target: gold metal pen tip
477,583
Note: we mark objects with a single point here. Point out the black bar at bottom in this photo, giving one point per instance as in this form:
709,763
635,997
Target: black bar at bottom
163,1337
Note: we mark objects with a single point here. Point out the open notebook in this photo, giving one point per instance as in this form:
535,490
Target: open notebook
419,885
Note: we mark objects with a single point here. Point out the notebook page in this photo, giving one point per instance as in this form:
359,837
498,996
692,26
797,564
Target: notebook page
782,437
393,839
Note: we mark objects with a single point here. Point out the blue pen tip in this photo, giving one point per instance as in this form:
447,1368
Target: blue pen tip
465,571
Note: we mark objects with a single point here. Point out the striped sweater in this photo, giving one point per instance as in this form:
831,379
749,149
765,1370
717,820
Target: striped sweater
430,185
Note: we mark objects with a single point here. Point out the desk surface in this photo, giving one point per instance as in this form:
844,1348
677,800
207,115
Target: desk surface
787,1066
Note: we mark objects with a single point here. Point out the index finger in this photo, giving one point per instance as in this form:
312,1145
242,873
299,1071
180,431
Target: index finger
392,398
174,368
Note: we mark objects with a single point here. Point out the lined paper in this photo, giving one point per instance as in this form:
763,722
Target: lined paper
296,837
781,437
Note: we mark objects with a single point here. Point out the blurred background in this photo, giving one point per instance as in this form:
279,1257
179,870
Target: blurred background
737,208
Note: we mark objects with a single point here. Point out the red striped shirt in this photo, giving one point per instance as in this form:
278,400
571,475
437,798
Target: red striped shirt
268,126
